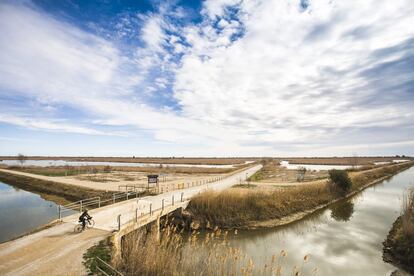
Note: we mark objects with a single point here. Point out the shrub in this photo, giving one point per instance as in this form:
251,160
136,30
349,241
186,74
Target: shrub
341,180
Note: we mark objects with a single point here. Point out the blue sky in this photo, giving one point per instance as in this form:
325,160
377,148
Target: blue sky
207,78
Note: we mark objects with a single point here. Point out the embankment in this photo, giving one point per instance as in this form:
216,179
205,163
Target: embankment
69,192
399,245
250,208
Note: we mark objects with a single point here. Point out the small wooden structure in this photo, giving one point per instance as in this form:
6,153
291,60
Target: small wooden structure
152,180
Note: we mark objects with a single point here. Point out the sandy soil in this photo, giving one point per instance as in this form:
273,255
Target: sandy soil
112,181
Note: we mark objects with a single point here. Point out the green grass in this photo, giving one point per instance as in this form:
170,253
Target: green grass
102,250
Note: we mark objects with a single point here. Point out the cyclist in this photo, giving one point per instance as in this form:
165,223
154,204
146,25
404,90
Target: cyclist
83,218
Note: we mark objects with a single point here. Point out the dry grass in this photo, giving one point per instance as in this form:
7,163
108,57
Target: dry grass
407,216
178,254
162,160
399,245
351,160
237,207
233,208
69,192
272,172
76,170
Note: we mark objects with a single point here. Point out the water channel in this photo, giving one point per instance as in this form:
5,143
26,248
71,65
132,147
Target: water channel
22,211
345,239
47,163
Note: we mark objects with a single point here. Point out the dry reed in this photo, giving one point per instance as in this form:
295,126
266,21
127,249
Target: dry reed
233,208
178,254
407,216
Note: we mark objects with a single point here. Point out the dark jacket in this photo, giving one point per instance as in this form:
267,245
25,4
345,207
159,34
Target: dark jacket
84,216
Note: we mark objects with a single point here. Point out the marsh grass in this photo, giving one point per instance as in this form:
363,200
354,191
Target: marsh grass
233,208
399,245
176,253
407,216
78,170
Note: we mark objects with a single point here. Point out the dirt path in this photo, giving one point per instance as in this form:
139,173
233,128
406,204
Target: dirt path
54,251
58,250
110,185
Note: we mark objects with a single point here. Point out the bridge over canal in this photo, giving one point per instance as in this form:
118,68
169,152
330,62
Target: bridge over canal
57,250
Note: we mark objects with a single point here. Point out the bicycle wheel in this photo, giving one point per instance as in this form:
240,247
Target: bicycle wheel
90,224
78,228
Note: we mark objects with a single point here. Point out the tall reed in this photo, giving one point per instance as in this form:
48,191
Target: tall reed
407,215
176,253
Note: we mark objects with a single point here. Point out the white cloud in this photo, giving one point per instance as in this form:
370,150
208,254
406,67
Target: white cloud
153,33
46,124
281,75
270,79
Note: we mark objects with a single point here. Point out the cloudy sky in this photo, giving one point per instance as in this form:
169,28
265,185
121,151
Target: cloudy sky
207,78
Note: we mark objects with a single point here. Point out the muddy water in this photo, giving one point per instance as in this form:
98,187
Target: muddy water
345,239
22,211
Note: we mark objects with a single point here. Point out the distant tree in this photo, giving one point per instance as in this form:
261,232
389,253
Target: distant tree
107,169
354,161
301,174
340,181
21,158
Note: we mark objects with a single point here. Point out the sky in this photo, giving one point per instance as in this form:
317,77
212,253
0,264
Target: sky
207,78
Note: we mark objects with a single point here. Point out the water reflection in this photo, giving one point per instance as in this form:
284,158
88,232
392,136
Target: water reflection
47,163
344,240
342,211
22,211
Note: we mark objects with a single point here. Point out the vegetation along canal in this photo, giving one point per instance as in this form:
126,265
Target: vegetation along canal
345,239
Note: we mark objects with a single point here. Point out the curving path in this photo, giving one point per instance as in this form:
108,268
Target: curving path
58,251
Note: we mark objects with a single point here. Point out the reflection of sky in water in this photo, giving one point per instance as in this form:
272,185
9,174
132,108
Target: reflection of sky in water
46,163
352,247
22,211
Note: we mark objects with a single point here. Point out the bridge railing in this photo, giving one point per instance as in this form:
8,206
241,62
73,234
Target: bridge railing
126,218
94,202
103,268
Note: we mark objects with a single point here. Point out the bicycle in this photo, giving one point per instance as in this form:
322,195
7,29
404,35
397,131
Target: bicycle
90,223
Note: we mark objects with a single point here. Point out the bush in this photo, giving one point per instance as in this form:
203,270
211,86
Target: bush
341,180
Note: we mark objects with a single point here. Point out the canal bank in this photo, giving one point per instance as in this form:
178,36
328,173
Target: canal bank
250,209
23,212
343,239
38,185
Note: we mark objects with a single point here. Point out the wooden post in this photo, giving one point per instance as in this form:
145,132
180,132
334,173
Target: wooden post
150,212
99,202
182,195
172,200
113,198
162,209
119,222
158,228
60,211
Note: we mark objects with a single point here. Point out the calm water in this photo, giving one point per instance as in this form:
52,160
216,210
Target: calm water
22,211
289,166
343,240
46,163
